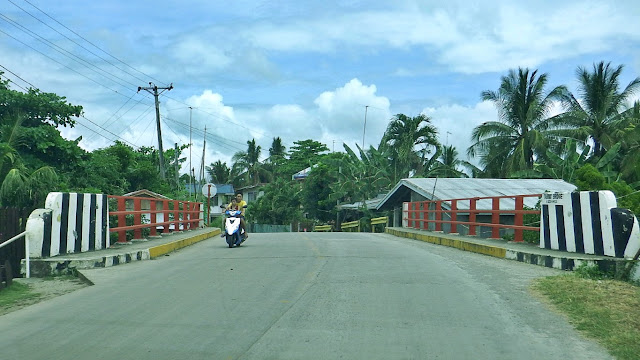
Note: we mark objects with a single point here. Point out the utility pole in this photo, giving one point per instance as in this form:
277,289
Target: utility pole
366,107
192,189
155,94
177,167
204,147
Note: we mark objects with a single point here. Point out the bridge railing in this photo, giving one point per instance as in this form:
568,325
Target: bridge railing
153,214
420,214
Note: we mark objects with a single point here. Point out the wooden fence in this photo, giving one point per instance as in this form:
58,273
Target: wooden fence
12,222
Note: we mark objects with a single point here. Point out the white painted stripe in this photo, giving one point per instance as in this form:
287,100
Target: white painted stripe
569,228
405,214
607,201
553,226
106,223
71,223
86,222
56,214
99,222
587,229
634,241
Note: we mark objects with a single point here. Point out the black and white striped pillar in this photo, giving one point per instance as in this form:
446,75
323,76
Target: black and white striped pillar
71,223
587,222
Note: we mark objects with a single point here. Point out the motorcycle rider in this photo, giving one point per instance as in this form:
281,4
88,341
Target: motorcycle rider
241,205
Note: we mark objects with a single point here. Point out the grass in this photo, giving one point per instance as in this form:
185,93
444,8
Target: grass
603,309
16,293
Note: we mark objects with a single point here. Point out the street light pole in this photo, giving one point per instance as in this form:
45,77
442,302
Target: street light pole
364,129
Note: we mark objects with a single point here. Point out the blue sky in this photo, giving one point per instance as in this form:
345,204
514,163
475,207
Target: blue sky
300,70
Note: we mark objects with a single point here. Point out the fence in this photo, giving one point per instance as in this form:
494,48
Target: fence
163,215
267,228
429,215
12,222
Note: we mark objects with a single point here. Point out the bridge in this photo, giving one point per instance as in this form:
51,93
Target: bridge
409,292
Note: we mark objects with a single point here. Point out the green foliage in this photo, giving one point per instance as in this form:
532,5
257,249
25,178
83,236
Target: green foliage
280,204
521,134
38,108
593,272
316,193
399,143
303,154
589,178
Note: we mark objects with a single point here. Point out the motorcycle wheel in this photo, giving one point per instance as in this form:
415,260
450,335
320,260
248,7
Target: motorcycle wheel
230,240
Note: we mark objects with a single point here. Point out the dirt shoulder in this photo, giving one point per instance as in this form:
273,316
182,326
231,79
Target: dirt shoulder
44,289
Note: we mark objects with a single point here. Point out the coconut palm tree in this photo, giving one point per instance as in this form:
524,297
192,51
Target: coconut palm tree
248,165
595,115
449,163
521,132
277,150
219,172
401,138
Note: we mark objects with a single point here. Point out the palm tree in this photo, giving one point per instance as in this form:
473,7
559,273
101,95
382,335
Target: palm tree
248,165
219,172
277,150
18,185
402,136
521,132
448,163
596,115
363,177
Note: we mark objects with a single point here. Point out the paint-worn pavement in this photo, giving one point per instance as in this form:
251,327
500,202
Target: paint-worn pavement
301,296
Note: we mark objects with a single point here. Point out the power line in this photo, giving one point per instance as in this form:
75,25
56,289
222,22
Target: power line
65,52
117,136
59,63
18,76
80,36
215,138
14,83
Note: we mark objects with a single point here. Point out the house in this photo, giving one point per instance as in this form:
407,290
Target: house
251,193
222,196
422,189
146,205
302,174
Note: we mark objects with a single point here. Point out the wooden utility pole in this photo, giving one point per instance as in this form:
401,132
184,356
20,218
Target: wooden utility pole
177,167
153,89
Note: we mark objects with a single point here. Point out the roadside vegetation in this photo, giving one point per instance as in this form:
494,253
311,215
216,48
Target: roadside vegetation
600,307
594,143
14,294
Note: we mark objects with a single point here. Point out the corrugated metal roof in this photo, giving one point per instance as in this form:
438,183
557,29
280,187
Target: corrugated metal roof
225,189
460,188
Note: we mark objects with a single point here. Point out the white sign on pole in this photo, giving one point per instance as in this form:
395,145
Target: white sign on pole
209,190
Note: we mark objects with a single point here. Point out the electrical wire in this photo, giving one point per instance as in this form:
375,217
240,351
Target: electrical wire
66,53
83,38
59,63
117,136
14,83
16,75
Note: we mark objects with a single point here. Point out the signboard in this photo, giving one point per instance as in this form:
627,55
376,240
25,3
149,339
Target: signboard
209,190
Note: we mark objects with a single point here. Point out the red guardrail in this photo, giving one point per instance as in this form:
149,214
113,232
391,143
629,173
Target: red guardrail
184,215
417,214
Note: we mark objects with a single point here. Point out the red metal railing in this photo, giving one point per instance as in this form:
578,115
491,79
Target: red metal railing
416,214
183,215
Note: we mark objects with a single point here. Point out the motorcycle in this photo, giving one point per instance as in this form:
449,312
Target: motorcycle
232,231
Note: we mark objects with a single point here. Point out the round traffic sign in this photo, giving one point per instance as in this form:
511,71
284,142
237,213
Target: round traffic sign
209,190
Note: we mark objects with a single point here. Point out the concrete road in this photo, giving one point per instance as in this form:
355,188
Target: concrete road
301,296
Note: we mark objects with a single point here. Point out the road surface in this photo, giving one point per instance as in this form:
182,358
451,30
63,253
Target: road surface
301,296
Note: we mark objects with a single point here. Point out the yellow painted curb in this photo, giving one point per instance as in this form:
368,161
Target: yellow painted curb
455,243
179,244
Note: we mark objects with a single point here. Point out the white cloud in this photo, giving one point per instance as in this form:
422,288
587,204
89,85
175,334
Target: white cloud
459,121
465,38
342,113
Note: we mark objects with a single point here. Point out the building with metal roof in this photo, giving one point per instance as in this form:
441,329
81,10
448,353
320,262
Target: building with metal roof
422,189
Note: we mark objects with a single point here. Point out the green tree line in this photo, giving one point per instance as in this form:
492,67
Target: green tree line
593,143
